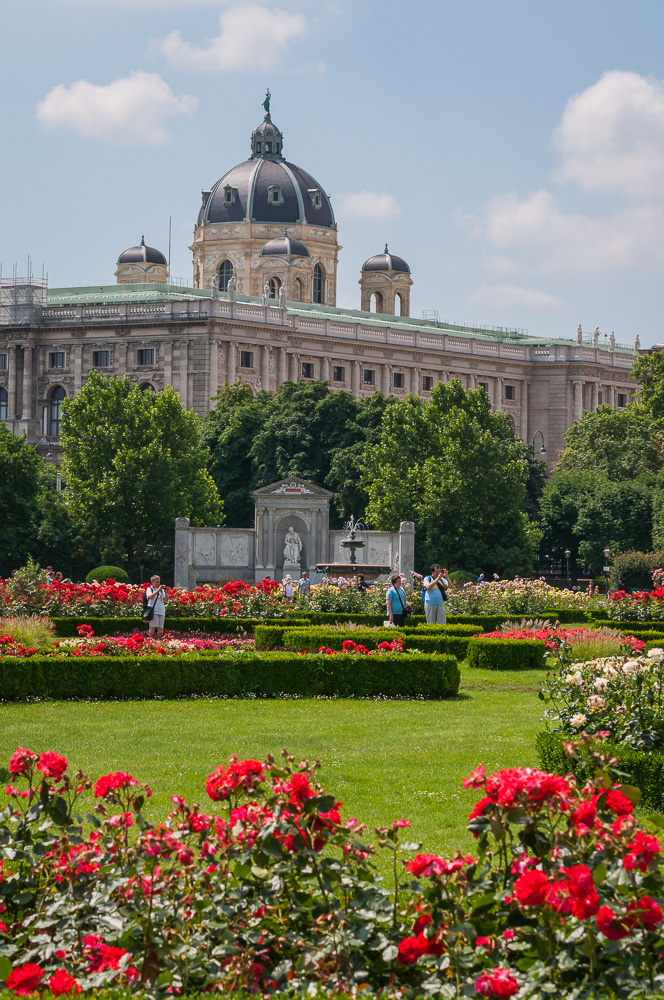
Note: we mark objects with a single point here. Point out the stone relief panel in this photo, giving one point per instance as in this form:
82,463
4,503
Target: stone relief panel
205,549
234,550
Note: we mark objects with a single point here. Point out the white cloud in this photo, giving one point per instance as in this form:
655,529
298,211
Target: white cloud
557,240
251,36
507,296
129,110
367,205
611,136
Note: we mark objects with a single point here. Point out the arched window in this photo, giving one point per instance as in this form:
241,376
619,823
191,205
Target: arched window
297,290
55,411
146,387
275,285
3,404
319,284
376,302
225,275
399,301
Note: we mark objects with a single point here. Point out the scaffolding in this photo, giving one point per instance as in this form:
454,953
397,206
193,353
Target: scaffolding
22,300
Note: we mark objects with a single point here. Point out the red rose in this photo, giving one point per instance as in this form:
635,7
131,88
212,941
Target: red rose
498,983
21,761
52,765
645,913
580,880
585,906
532,888
642,851
619,803
25,979
111,782
61,982
611,925
425,865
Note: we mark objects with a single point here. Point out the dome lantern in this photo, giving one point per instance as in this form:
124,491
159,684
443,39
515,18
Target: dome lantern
385,282
140,265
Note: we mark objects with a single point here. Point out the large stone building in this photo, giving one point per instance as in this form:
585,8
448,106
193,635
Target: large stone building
261,309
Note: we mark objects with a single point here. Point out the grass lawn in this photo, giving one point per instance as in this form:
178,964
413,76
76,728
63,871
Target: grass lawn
383,759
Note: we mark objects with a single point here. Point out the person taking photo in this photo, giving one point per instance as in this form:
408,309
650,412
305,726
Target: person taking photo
435,594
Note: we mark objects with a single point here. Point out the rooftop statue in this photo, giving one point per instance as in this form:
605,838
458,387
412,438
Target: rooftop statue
596,336
266,102
579,334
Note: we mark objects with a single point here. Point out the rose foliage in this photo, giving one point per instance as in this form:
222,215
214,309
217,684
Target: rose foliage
270,889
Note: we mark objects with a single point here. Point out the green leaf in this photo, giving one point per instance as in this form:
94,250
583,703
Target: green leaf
5,968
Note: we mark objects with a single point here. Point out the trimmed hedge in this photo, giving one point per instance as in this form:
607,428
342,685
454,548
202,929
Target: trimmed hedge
631,628
312,639
103,573
109,626
491,623
646,770
270,636
506,654
265,675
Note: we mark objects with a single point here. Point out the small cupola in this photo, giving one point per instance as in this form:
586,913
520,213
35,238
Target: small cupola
141,264
267,141
385,282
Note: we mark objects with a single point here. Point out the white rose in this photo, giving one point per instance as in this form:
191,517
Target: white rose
655,654
594,703
610,670
575,678
578,720
631,667
601,683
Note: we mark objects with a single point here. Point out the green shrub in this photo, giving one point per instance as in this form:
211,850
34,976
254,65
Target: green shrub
311,640
506,654
247,673
460,576
632,570
491,623
103,573
646,770
631,628
65,627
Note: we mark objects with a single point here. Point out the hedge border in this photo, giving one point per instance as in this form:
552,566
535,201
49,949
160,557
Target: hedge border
646,770
66,627
631,628
310,640
506,654
243,674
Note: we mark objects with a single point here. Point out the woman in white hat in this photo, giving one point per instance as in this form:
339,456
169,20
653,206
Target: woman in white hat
287,588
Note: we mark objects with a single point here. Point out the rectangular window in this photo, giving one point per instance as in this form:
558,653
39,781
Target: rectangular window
510,392
100,359
307,369
369,376
622,399
399,380
56,359
485,386
427,383
338,373
246,359
600,397
146,355
3,362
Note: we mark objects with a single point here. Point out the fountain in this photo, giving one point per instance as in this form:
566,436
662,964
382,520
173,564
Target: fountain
352,567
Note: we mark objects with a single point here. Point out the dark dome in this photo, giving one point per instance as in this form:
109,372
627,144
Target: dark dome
248,196
142,255
284,246
386,262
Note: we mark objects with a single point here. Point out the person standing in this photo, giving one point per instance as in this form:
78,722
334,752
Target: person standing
435,594
395,599
155,596
303,585
287,589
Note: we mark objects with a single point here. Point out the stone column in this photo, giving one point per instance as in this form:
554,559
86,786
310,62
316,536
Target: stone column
265,367
78,368
27,405
577,410
282,365
168,363
182,560
355,378
406,548
182,372
213,384
271,541
523,423
386,378
325,369
12,375
414,381
594,390
500,391
232,363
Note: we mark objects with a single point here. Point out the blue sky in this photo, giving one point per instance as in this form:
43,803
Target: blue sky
512,151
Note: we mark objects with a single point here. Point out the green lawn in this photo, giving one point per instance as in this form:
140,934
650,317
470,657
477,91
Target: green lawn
383,759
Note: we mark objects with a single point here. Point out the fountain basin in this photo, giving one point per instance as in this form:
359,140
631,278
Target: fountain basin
370,571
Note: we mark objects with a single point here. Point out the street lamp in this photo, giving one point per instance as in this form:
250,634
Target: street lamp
607,568
567,555
542,450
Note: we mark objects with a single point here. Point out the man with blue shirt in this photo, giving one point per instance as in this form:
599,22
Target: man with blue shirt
435,586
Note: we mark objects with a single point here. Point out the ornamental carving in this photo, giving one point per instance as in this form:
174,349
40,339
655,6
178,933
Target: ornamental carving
292,487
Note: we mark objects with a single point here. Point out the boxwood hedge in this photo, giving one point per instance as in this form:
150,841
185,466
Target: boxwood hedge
506,654
312,639
246,673
631,628
646,770
108,626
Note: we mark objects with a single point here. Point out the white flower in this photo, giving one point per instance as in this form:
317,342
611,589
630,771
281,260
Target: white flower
601,683
631,667
594,703
655,654
610,670
575,678
578,720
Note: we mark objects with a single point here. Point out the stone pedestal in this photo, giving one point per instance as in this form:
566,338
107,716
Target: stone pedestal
293,570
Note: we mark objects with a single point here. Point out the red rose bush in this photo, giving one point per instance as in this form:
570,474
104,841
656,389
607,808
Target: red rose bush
271,889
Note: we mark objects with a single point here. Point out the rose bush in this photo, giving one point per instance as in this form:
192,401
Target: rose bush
641,606
272,890
555,637
517,597
619,695
132,644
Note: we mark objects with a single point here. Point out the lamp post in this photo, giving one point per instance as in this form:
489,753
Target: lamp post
607,568
542,450
567,555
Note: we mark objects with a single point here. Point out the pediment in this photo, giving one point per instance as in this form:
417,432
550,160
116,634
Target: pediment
292,486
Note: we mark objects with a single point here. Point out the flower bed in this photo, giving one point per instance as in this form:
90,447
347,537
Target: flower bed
108,626
555,637
237,673
642,605
130,644
270,889
519,597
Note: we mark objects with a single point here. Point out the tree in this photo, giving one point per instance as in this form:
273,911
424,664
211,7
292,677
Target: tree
619,444
649,371
134,461
19,489
456,469
62,541
347,467
228,432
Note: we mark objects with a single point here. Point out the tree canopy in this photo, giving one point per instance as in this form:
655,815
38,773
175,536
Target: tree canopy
619,444
20,468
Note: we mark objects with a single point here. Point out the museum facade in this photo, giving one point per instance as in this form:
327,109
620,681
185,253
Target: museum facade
262,310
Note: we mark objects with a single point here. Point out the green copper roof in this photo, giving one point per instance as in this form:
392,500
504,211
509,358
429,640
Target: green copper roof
153,292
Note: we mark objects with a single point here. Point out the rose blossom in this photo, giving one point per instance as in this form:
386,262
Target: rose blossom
498,983
25,979
578,720
52,765
61,982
